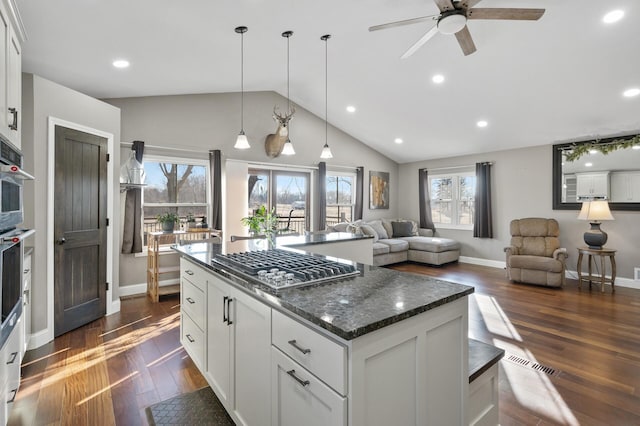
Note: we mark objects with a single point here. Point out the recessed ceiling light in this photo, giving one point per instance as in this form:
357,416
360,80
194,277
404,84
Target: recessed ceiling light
351,108
613,16
593,151
438,78
482,123
398,140
121,63
630,93
588,164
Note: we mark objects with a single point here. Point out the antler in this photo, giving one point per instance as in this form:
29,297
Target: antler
283,118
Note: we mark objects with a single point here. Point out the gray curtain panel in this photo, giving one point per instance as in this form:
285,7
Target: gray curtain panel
482,217
357,214
131,237
424,200
321,197
215,165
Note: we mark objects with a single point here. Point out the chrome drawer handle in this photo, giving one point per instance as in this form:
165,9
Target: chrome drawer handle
189,338
13,398
295,345
26,271
13,358
190,300
188,272
14,124
304,383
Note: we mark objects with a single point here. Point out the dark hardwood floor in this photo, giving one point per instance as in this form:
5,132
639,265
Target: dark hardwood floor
108,371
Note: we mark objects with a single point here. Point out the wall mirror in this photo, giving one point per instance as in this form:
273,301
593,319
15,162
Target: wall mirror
607,169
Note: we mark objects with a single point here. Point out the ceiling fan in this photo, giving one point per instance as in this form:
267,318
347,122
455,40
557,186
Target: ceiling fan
453,18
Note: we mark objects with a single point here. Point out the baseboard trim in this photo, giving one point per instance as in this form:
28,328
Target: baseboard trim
483,262
39,339
620,281
138,289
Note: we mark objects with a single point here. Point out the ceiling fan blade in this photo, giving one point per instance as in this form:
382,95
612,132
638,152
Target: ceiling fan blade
433,31
403,22
506,13
467,4
444,5
465,41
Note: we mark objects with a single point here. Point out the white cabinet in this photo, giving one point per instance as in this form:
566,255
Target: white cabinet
10,371
483,399
219,366
592,185
299,398
625,187
11,75
26,301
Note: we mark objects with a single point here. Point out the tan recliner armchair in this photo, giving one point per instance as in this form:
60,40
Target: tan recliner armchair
535,256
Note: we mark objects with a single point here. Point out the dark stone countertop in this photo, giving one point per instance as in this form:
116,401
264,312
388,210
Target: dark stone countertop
320,238
481,357
349,307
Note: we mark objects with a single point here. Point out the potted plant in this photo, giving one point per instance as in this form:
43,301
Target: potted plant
263,222
191,221
168,221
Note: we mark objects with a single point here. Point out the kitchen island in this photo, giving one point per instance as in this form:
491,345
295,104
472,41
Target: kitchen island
375,348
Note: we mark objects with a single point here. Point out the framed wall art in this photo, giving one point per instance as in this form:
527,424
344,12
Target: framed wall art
378,190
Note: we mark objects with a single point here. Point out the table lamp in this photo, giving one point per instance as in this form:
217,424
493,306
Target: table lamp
595,211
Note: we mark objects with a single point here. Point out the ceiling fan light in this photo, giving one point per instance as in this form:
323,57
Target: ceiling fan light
451,24
287,149
326,152
242,142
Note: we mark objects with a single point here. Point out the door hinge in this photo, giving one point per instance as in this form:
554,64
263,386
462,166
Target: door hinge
107,221
108,157
107,286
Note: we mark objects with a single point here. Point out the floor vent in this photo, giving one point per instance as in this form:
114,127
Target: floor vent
532,365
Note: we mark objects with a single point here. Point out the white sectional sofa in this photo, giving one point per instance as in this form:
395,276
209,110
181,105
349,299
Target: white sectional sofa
401,240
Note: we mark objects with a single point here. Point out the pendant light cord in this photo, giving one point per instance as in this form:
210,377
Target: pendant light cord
242,81
326,91
288,99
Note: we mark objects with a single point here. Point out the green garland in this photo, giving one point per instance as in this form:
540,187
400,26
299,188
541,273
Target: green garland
577,151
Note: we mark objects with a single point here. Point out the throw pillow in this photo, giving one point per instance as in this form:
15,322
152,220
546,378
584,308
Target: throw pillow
387,226
402,229
377,226
368,230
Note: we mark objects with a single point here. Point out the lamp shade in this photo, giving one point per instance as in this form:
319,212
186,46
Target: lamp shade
326,153
242,142
595,211
287,149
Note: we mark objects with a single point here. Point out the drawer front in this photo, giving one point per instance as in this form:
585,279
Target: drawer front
192,339
26,265
318,354
193,302
299,398
194,273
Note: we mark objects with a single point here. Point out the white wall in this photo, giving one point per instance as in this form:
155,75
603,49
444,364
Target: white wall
42,99
522,185
212,121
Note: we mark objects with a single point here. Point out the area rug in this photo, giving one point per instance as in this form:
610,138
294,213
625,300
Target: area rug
201,407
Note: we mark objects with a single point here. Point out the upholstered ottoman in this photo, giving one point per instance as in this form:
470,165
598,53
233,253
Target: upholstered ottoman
432,250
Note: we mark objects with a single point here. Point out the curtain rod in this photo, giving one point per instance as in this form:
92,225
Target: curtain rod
456,167
260,163
168,148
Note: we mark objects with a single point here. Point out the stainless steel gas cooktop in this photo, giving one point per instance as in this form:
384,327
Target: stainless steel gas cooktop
280,269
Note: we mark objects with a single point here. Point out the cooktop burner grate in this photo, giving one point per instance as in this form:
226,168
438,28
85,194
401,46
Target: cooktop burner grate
282,269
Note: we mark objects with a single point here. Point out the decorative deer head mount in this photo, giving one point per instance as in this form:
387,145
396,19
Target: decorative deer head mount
274,142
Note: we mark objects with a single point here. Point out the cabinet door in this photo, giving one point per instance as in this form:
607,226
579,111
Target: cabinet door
252,354
600,185
219,366
4,70
299,398
14,87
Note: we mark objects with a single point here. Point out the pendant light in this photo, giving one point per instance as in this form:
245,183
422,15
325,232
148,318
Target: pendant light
241,141
287,149
326,151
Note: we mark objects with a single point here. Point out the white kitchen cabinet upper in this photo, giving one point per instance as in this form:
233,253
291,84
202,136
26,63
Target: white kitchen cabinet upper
625,187
11,38
592,185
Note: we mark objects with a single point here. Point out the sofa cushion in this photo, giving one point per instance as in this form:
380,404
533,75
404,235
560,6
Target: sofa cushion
368,230
387,223
379,248
539,263
395,245
377,226
402,229
432,244
341,227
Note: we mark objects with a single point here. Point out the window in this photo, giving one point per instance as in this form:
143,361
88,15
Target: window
285,191
453,200
173,185
340,197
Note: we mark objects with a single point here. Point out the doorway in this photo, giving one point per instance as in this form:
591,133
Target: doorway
79,228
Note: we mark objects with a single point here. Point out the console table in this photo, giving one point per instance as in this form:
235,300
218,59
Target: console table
603,253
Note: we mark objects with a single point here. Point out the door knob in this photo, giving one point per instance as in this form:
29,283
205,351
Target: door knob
61,241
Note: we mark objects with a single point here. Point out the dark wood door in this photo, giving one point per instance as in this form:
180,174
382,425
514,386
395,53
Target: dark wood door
80,231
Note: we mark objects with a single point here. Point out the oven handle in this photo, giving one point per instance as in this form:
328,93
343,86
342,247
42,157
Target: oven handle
18,237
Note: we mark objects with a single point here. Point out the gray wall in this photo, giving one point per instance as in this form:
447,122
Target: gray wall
212,121
42,99
522,184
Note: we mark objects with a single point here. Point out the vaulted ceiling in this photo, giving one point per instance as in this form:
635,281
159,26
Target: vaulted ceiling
535,82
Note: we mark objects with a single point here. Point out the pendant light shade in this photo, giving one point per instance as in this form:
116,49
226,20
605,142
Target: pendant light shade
287,149
241,141
326,151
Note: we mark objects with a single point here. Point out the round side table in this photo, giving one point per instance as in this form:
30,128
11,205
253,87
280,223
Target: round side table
602,279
